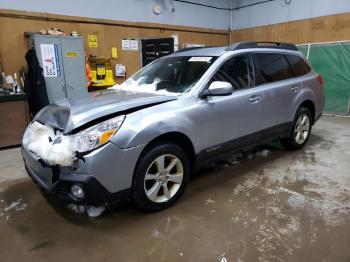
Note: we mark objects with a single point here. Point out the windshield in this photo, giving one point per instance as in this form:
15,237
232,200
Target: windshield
169,75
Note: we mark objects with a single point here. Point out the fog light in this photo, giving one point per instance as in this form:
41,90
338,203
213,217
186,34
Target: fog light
77,191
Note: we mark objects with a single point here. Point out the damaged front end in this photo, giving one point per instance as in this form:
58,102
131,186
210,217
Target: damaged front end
55,148
60,132
50,157
67,150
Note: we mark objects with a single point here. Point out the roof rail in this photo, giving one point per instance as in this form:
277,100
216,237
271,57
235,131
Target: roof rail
277,45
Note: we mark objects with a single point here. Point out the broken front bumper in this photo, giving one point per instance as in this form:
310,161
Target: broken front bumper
104,174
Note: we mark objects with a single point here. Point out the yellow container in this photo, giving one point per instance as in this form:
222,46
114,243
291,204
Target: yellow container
101,72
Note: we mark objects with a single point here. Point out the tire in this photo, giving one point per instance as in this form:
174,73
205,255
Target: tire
149,192
300,131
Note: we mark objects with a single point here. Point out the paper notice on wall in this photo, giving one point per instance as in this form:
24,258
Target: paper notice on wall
125,44
176,42
134,45
120,70
176,39
50,59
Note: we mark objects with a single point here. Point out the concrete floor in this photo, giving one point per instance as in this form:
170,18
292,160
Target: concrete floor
273,205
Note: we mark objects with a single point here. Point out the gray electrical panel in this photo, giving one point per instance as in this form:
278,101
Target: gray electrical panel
63,62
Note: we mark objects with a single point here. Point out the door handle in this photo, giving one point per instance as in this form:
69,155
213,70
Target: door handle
294,89
71,87
255,99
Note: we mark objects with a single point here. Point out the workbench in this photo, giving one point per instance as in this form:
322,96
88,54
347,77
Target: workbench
14,118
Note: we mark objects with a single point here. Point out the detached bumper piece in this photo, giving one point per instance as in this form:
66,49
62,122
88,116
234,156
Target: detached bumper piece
52,181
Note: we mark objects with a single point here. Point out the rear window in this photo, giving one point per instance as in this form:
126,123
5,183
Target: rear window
273,67
298,65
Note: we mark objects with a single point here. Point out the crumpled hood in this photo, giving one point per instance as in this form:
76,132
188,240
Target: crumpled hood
68,114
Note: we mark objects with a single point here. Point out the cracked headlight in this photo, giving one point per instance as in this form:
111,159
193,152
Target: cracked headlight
97,135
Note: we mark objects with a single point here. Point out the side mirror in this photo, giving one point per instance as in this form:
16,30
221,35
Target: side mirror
219,88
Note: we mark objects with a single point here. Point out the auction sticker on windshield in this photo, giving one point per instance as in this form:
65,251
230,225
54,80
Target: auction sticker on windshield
200,59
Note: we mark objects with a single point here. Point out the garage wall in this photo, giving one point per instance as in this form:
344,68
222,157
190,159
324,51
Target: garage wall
321,29
13,44
133,10
298,22
248,15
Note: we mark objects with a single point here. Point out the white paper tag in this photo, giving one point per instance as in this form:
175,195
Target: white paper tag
125,44
134,45
200,59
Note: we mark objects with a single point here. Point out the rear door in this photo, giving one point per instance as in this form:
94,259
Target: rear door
281,88
235,120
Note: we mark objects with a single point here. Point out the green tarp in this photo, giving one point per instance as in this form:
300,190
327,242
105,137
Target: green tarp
332,61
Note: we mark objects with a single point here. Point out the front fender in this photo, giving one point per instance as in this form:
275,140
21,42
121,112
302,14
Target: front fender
140,128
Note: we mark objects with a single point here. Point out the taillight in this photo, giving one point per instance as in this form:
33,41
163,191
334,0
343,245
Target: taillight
320,79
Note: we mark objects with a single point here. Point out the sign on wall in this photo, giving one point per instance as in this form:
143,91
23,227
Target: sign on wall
130,44
176,42
120,70
92,40
114,53
71,54
134,45
125,44
50,59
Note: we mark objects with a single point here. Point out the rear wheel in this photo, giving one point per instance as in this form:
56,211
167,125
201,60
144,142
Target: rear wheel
301,130
160,177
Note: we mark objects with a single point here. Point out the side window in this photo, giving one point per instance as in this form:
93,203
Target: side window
273,67
298,65
238,71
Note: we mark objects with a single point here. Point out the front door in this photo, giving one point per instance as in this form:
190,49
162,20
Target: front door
234,121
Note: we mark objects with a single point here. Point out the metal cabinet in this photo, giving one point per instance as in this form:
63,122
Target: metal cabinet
63,62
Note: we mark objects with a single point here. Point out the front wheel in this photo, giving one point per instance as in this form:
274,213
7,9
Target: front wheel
300,132
160,177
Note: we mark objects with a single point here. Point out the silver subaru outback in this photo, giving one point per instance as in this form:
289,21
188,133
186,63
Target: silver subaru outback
142,139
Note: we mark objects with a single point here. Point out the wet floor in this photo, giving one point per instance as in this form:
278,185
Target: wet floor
272,205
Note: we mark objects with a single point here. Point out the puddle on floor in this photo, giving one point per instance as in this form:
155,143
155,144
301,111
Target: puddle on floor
269,206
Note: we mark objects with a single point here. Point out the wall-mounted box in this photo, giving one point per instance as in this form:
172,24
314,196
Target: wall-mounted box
63,61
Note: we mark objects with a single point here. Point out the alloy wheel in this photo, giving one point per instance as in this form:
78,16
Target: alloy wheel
302,129
163,178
